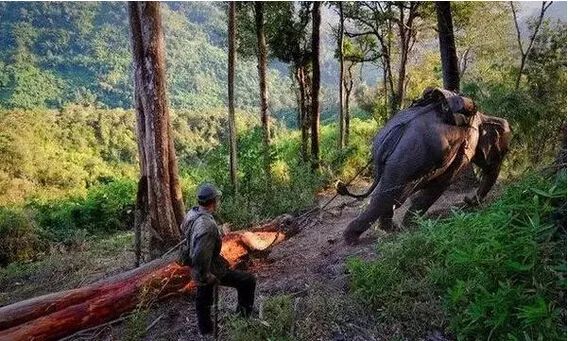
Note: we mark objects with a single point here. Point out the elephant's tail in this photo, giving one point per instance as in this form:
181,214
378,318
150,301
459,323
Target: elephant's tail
343,190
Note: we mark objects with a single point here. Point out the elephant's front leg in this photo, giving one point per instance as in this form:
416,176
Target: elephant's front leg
423,201
380,206
434,190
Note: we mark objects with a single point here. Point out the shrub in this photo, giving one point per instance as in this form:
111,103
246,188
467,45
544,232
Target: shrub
106,208
500,272
20,238
290,187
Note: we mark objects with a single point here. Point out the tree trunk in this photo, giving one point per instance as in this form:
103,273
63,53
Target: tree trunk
315,119
60,314
262,66
304,113
231,97
399,95
140,218
448,53
347,117
385,89
388,64
155,145
348,90
342,120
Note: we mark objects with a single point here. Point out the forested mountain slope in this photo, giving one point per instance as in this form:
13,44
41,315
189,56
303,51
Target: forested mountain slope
57,53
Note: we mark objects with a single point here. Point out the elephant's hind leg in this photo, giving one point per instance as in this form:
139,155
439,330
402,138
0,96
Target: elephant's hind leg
380,206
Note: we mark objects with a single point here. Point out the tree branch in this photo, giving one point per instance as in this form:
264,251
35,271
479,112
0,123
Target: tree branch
517,28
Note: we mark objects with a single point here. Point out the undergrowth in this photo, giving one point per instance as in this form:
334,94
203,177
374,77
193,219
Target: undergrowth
276,322
29,229
498,273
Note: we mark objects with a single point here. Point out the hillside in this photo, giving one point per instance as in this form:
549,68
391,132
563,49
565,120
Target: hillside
57,53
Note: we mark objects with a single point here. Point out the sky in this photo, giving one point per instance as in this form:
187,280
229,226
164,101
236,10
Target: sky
526,9
532,8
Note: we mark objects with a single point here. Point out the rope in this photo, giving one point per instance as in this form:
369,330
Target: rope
303,216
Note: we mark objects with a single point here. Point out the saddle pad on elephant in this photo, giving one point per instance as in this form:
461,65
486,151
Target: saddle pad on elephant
452,102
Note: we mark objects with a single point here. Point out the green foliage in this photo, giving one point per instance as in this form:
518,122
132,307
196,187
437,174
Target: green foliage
61,53
48,153
136,325
106,208
72,172
276,324
26,231
290,188
501,272
19,235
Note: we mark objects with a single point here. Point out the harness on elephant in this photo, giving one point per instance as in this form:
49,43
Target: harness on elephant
451,105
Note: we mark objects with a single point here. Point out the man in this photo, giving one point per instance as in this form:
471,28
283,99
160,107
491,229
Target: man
209,268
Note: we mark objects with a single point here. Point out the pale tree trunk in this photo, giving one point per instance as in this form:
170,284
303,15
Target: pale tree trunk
156,151
388,64
303,108
448,54
262,66
315,119
407,37
341,73
231,96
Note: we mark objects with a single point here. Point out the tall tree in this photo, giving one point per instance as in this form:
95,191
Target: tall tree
288,38
449,59
536,26
158,165
450,70
385,21
315,119
231,96
291,43
342,120
262,66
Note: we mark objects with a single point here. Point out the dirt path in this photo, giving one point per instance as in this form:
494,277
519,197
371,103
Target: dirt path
310,267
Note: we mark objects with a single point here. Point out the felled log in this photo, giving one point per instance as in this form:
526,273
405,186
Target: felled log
60,314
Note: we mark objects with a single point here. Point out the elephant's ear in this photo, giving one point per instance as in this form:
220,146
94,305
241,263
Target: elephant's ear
494,138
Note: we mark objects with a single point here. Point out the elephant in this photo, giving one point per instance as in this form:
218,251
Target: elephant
421,150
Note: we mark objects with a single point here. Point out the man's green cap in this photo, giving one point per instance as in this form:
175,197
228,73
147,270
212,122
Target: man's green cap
207,192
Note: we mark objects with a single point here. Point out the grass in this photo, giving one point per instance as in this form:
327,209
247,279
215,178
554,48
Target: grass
498,273
324,312
276,322
65,270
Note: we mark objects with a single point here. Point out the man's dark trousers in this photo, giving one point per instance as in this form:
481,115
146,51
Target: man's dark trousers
244,282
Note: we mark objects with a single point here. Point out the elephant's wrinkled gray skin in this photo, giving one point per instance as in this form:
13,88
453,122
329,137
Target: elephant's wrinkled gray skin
418,150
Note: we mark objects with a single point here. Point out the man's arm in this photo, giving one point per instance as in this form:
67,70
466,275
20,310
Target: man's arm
202,253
